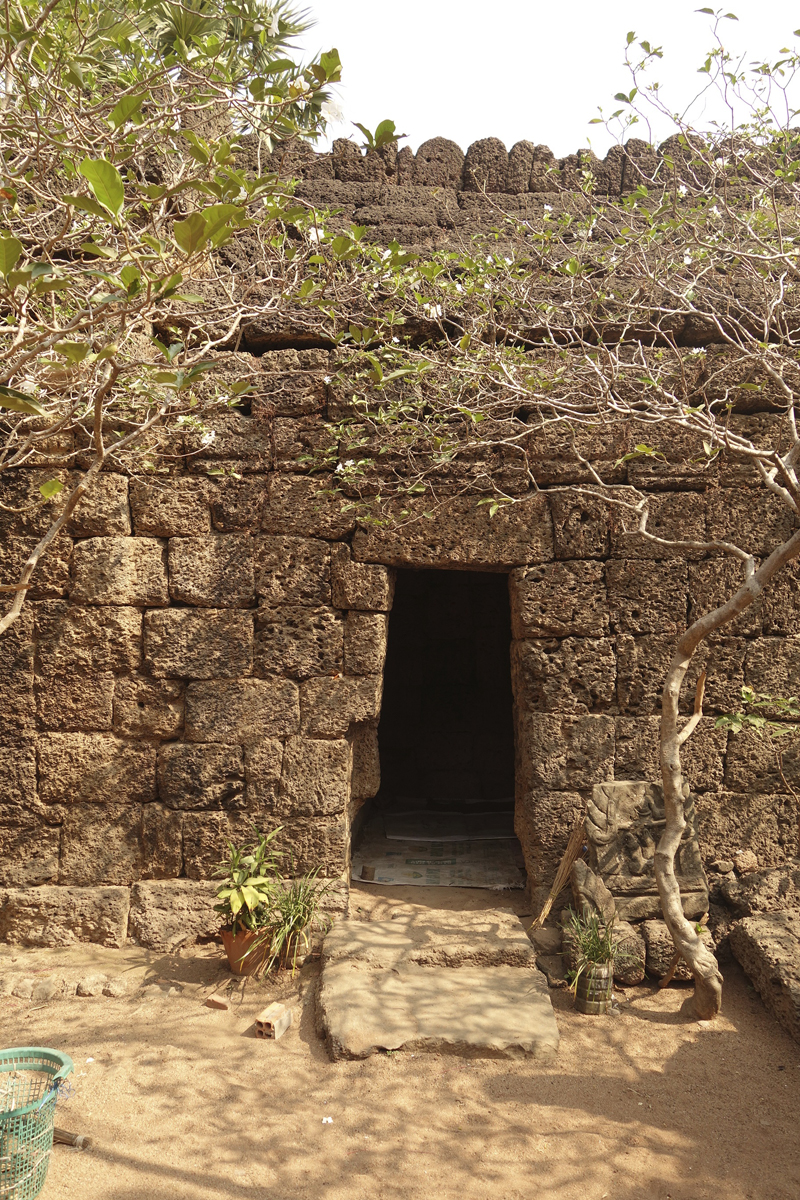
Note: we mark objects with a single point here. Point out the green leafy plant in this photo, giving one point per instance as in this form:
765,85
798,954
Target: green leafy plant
593,944
293,916
249,882
383,135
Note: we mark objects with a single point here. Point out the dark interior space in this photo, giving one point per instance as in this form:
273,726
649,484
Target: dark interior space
446,731
444,816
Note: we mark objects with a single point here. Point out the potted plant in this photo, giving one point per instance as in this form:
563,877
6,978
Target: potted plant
593,949
294,912
249,881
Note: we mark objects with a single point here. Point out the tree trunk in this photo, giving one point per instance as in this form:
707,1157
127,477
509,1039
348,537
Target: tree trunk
708,981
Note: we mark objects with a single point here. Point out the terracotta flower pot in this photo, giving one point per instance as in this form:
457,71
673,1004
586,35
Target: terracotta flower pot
242,959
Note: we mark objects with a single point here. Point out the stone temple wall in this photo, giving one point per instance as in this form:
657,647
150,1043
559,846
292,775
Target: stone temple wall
203,652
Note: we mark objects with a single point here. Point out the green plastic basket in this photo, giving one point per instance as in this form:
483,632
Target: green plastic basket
29,1081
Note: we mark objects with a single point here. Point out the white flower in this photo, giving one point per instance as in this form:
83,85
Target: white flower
548,208
328,379
714,210
459,288
682,190
687,258
339,469
33,82
396,341
316,235
208,438
273,29
332,111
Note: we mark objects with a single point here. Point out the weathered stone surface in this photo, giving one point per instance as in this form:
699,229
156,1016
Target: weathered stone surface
239,441
391,984
212,644
298,641
173,913
29,848
329,706
763,891
673,516
17,707
624,822
728,822
559,600
103,510
358,585
61,916
558,752
119,843
201,776
238,504
51,577
75,702
574,675
629,961
148,708
661,949
366,778
17,771
752,764
590,895
72,638
310,842
773,665
315,779
486,166
713,582
642,664
111,570
746,862
289,394
702,757
462,534
170,507
94,768
263,761
543,821
520,165
768,948
439,163
581,526
364,643
214,571
294,506
756,520
646,597
292,570
781,602
241,711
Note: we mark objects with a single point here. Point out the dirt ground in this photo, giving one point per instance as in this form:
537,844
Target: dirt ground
183,1101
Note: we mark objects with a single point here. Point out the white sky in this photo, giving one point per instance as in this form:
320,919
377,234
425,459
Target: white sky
521,68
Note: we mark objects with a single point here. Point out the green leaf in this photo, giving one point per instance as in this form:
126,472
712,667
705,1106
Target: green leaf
124,109
221,220
10,250
331,65
87,204
74,352
191,234
51,488
106,182
19,402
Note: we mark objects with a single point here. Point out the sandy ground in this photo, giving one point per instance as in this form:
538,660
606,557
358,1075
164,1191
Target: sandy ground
183,1101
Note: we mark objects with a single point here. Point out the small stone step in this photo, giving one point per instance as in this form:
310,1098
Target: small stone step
458,982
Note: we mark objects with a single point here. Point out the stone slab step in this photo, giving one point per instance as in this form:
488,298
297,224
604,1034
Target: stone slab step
457,982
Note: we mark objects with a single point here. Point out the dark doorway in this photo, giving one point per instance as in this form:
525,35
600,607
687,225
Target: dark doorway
446,732
446,736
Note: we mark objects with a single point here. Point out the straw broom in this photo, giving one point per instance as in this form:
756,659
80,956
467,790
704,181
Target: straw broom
571,854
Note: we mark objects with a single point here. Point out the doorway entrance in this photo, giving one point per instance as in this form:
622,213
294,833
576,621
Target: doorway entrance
445,810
